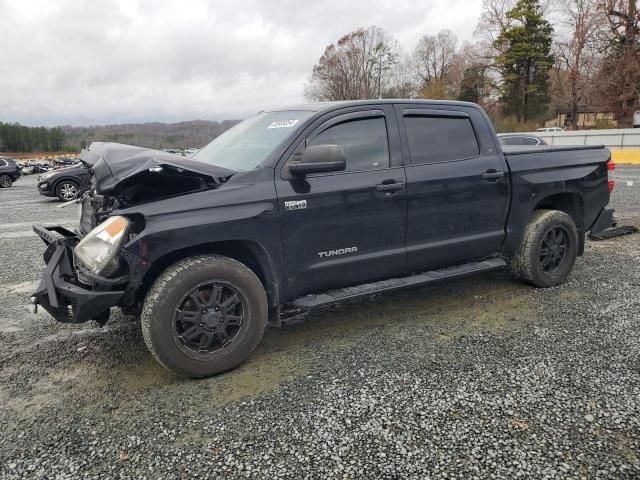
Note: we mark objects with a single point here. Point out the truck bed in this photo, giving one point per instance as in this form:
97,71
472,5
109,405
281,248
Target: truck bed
537,158
525,149
576,173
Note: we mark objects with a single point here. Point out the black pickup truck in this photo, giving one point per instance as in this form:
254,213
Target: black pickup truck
310,205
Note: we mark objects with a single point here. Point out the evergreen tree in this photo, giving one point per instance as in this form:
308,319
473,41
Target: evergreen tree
474,86
525,61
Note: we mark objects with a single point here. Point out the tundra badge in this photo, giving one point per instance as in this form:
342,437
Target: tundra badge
295,205
340,251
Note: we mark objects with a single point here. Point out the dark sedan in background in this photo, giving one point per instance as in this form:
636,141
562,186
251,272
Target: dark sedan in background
9,172
519,139
66,183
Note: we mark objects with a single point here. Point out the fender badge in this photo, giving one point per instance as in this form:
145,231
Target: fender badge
295,205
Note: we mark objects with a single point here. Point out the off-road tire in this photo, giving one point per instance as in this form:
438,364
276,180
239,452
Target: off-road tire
165,295
6,181
60,187
527,265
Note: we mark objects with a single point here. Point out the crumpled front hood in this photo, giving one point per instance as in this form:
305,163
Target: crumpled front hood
112,163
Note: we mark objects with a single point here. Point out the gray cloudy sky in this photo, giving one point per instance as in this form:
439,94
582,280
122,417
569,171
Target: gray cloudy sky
112,61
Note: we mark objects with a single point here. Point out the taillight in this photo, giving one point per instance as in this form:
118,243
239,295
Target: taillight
610,168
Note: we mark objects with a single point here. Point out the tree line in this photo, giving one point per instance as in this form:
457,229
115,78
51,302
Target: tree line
19,138
192,134
528,59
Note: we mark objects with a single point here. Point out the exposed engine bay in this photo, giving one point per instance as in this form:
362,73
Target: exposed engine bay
123,176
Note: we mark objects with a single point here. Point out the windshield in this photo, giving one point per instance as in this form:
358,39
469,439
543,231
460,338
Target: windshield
249,143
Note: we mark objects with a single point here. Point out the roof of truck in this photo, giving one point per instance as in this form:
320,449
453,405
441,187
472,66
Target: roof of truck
325,106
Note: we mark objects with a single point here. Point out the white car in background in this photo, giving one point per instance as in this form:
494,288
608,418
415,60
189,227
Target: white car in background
550,129
636,119
190,151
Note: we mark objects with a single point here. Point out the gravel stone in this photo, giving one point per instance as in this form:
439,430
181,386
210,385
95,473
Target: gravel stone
475,378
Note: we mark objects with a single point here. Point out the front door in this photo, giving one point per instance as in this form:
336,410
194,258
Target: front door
347,227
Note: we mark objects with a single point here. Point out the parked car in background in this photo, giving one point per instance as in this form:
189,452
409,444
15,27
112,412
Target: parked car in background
39,166
190,151
519,139
309,206
175,151
66,183
636,120
64,162
550,129
25,169
9,172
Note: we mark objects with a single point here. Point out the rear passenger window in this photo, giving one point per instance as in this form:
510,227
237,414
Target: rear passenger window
530,141
364,143
440,139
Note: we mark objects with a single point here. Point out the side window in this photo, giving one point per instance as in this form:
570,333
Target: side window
440,139
3,163
530,141
364,142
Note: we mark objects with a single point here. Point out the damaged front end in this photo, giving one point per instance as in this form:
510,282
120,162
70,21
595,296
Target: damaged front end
61,293
91,270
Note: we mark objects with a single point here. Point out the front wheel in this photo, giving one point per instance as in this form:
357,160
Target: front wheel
548,249
5,181
204,315
67,190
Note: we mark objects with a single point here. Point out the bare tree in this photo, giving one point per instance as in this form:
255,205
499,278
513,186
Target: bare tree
620,74
433,56
576,52
401,81
358,66
493,20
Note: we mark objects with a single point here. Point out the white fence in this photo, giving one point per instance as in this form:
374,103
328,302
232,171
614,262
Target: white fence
618,138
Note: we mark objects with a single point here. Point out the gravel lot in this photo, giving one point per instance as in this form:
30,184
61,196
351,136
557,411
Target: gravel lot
471,378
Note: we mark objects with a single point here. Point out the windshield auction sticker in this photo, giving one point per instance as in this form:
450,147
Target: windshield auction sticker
282,124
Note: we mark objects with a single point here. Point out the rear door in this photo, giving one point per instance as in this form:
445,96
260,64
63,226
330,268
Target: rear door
344,228
457,186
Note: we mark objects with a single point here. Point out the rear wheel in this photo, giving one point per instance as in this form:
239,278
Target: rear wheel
204,315
5,181
548,249
67,190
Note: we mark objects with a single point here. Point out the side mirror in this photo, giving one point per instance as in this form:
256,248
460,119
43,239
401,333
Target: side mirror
320,159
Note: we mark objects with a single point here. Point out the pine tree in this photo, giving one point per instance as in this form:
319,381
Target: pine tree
525,61
474,86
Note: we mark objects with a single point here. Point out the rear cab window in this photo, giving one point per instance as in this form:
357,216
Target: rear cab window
439,137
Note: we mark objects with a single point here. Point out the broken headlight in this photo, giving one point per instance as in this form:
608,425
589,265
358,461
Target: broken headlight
98,250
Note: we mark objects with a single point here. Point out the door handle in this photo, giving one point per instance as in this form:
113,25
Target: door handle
390,187
492,175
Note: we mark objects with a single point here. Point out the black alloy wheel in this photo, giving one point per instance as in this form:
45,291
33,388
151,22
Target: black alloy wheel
5,181
208,318
553,249
548,249
204,315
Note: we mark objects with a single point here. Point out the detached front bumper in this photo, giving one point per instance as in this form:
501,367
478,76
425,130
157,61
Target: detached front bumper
60,292
604,220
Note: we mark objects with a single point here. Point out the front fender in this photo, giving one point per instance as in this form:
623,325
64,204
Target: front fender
177,231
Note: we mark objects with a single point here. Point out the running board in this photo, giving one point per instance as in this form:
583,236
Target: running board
318,300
